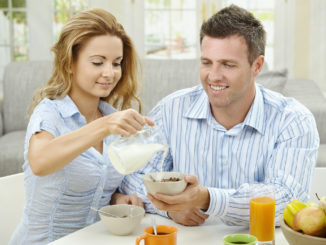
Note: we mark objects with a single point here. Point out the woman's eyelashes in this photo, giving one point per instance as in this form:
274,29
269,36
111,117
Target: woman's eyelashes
115,64
97,63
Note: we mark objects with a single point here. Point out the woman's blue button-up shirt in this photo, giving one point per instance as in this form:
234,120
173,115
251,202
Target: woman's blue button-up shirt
60,203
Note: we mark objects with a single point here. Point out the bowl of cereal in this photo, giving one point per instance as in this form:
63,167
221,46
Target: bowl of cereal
169,183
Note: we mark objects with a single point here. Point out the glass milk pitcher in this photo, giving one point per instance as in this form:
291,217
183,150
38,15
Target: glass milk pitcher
129,154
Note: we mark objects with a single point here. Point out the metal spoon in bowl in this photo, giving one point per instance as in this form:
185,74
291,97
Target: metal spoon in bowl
157,178
152,178
105,213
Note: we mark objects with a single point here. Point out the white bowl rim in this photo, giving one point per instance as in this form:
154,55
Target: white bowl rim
141,210
179,175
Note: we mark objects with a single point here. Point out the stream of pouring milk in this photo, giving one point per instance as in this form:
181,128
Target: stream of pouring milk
134,156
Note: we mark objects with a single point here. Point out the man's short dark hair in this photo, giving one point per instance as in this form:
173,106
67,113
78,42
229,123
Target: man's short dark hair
234,20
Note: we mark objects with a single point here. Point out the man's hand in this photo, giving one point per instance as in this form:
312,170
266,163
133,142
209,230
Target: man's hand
133,199
194,196
189,217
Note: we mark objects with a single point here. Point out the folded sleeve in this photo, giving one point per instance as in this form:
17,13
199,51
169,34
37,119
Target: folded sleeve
288,171
44,118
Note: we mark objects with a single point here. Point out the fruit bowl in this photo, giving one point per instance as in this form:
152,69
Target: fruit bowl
298,238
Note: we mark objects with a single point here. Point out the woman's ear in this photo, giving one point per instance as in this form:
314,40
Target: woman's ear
258,65
72,69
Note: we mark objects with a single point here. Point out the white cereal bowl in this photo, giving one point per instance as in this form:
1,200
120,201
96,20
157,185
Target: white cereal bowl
125,218
154,185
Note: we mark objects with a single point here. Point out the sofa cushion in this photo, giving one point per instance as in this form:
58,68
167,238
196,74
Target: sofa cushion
12,152
310,95
321,160
162,77
21,79
273,80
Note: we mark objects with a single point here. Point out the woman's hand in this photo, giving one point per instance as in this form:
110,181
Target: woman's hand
126,122
133,199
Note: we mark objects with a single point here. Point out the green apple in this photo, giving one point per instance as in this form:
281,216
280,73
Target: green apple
322,203
311,221
312,204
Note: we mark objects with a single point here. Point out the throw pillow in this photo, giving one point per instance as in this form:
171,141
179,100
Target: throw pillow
273,80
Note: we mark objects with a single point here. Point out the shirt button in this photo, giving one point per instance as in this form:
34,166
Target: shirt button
100,188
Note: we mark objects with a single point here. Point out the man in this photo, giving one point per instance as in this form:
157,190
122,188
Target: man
229,132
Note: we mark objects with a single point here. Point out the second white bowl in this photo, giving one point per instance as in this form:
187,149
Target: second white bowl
125,218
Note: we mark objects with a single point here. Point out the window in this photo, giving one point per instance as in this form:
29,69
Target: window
264,11
170,28
63,10
13,39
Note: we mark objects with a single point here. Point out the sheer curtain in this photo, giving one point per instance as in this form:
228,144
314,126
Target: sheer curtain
318,43
4,46
300,39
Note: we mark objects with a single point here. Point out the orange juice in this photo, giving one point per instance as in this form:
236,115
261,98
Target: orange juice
262,216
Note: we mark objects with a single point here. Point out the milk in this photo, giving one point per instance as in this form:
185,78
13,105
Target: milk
130,158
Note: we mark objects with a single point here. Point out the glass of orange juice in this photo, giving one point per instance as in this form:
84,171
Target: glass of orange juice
262,214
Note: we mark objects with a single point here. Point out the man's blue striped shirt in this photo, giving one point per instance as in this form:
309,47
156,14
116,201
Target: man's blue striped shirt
276,145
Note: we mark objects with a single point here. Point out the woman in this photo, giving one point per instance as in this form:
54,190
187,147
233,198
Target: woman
67,170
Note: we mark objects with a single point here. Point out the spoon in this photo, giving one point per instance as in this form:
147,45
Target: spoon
106,213
154,225
152,178
158,178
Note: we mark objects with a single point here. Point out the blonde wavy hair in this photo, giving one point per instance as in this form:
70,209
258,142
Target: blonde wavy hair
79,29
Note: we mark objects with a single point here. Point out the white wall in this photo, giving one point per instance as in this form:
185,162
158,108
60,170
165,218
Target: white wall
40,29
318,43
284,35
302,36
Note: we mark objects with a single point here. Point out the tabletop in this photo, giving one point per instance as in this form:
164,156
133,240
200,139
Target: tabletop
209,233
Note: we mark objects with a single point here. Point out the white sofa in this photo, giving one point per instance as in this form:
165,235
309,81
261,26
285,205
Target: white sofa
161,77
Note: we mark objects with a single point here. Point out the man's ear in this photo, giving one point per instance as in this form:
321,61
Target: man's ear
257,65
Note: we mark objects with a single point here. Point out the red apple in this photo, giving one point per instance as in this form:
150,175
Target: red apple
311,221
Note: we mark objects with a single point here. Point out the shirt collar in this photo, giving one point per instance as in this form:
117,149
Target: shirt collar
106,108
256,117
68,108
200,109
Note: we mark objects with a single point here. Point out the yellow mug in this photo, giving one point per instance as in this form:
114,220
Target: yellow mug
166,235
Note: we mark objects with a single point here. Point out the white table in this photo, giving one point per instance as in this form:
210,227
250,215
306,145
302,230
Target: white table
207,234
